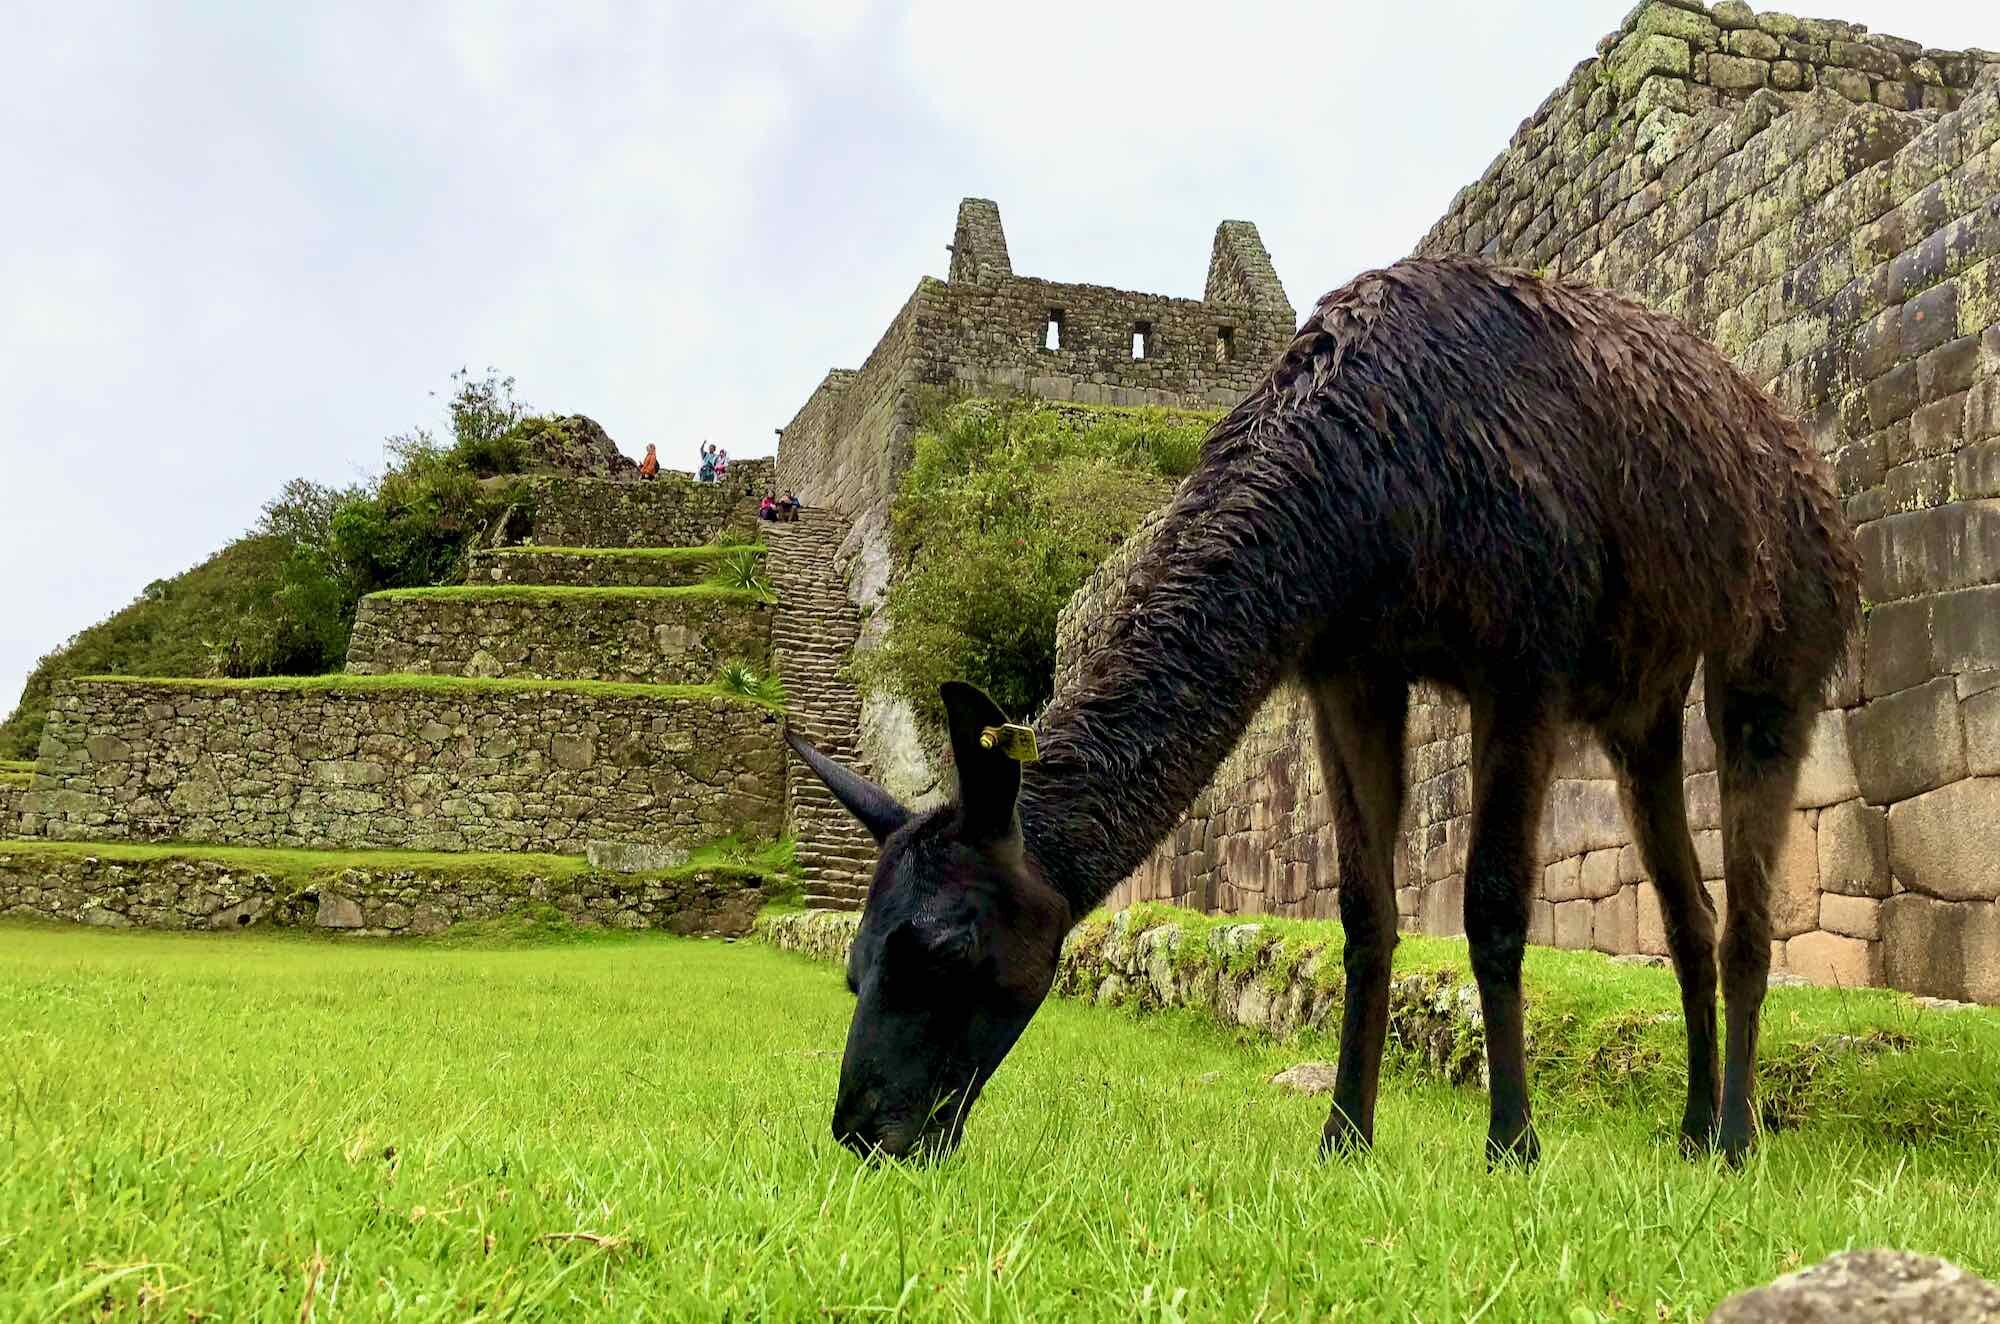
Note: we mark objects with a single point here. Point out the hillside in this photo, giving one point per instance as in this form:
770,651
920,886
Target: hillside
182,626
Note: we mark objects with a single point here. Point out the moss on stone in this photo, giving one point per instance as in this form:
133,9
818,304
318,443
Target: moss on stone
710,551
569,592
465,684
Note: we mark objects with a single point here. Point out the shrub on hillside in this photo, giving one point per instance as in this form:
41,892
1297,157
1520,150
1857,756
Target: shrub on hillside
1006,508
281,599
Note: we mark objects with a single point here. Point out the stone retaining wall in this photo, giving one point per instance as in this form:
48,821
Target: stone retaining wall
12,798
648,636
448,766
672,510
382,900
635,569
1847,256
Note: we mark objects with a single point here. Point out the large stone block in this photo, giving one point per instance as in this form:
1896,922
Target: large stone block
1574,921
1827,775
1834,959
1966,630
1908,743
1946,843
1615,922
1853,843
1898,647
1946,949
1981,713
1851,916
1795,879
1930,551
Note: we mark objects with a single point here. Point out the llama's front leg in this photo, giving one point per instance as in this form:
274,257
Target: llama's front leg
1760,740
1360,728
1512,748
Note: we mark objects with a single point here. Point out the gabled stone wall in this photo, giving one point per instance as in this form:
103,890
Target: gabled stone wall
358,762
647,636
1845,251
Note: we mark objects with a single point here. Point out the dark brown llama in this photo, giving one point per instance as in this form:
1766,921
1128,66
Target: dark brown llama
1545,497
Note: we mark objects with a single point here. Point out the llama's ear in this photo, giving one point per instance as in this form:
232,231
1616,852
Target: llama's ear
873,807
989,775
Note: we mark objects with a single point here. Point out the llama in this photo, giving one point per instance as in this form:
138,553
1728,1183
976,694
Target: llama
1544,497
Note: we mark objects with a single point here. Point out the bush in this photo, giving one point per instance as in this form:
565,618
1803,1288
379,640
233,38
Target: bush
281,600
1007,507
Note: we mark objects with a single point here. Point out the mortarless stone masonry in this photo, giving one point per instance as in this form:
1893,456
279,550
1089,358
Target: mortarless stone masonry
586,568
649,636
1824,204
200,890
672,510
451,766
988,330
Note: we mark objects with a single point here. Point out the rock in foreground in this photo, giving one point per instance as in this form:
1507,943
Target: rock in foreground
1868,1287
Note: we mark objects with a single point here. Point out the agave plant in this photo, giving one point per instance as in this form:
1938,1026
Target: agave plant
741,678
740,569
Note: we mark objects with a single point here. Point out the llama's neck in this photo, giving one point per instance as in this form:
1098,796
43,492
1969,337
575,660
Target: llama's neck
1215,618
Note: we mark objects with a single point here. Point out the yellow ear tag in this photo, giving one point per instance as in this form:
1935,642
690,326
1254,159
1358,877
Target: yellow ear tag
1014,740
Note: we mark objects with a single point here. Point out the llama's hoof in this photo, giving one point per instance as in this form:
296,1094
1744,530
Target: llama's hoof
1343,1138
1522,1151
1697,1135
1734,1145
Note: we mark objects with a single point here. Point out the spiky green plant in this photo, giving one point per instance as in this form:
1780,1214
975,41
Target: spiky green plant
741,678
740,569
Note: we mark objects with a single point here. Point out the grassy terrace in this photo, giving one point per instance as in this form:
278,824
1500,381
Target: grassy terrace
262,1128
726,856
541,592
709,552
445,684
11,778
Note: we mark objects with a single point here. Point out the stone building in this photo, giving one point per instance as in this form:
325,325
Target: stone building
1824,203
987,330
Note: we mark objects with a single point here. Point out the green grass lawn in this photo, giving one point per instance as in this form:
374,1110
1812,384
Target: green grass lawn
629,1128
341,681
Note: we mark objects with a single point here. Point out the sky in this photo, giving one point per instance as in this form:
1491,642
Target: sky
245,242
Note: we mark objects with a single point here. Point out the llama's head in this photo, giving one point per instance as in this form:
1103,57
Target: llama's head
957,946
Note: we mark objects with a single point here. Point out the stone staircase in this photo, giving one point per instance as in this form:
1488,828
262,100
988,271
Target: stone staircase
815,631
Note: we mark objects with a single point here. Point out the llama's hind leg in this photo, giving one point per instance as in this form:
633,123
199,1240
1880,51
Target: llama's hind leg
1760,738
1360,726
1650,784
1513,742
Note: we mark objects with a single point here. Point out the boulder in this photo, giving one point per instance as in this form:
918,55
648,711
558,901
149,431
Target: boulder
572,444
1307,1078
1868,1287
630,857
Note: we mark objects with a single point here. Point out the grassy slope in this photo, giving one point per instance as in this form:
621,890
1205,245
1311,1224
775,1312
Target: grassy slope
544,592
161,636
430,1131
709,552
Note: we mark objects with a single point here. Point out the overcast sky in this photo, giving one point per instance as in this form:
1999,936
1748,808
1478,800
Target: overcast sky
243,242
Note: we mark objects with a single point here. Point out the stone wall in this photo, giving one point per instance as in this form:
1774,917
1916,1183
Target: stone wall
986,330
1847,256
13,795
218,890
670,511
653,636
599,568
436,765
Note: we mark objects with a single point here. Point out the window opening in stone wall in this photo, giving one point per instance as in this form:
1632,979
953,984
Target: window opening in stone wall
1052,334
1142,340
1225,343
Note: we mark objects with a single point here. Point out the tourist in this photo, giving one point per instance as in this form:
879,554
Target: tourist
650,466
767,509
788,509
721,464
707,474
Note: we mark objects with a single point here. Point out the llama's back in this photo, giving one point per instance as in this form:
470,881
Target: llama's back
1543,469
